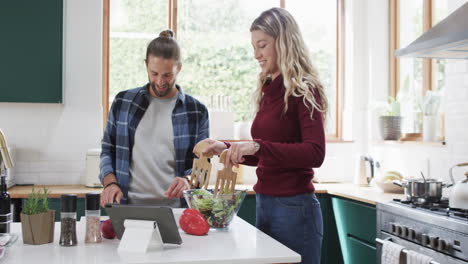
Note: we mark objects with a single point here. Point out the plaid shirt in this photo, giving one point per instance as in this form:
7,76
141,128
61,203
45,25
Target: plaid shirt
189,118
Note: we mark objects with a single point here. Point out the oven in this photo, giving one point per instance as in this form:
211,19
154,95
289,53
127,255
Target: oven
431,232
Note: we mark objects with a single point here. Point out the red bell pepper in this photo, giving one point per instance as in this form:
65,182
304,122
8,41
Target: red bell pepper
193,222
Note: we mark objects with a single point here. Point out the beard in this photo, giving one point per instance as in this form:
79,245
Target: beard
168,88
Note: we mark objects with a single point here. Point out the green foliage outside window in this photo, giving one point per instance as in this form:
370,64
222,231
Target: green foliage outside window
217,56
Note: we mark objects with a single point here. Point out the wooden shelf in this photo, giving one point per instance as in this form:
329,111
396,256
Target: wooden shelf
400,142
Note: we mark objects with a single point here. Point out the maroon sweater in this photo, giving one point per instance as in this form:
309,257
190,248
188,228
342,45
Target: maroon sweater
290,145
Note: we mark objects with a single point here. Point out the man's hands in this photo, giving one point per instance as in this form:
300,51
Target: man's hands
177,187
112,193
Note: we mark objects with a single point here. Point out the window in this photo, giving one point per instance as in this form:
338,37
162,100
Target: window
319,29
218,56
218,64
440,11
132,27
411,78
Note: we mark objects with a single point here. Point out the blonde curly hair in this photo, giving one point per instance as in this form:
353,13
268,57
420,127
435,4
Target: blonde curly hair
299,75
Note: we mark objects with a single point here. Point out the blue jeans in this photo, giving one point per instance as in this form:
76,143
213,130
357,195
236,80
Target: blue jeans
294,221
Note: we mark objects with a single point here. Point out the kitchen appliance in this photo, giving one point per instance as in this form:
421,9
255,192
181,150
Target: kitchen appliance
422,190
447,39
459,193
431,229
92,168
364,174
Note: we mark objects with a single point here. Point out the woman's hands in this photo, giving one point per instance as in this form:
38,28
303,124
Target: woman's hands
214,146
235,154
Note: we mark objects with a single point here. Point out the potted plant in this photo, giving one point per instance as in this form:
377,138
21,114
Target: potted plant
37,220
390,120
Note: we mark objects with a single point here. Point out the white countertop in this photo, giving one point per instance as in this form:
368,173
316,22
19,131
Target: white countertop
241,243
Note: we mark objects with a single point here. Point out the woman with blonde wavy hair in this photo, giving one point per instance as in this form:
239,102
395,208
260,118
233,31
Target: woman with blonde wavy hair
288,136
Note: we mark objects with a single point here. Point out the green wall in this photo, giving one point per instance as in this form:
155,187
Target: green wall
31,51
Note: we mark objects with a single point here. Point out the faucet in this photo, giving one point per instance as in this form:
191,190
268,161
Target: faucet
5,158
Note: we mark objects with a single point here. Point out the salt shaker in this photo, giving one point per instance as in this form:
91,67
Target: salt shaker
93,217
68,221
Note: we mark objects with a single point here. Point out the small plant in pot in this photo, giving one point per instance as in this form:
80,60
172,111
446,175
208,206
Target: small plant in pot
37,220
390,121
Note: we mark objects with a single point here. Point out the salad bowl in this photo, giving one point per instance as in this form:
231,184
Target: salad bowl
219,209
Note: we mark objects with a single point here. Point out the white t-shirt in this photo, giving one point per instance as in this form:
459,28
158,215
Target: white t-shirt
152,168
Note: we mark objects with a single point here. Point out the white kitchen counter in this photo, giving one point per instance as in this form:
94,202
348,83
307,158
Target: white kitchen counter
242,243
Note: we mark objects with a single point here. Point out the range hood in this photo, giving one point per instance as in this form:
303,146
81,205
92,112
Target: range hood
447,39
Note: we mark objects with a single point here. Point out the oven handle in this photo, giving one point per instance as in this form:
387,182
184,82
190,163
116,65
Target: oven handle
381,241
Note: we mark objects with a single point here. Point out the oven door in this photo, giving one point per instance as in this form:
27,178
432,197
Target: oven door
438,257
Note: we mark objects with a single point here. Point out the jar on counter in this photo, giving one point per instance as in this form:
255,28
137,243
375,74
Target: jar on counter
93,218
68,221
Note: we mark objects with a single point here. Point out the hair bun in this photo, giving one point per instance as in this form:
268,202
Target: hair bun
167,33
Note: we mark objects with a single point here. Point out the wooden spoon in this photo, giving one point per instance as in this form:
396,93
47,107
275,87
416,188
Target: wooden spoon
201,168
225,179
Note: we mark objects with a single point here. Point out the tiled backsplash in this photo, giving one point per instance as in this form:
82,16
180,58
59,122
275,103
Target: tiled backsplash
411,158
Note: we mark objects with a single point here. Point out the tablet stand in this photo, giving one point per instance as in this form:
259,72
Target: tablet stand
140,236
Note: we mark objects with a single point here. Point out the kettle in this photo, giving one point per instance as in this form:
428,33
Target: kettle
459,194
364,174
92,168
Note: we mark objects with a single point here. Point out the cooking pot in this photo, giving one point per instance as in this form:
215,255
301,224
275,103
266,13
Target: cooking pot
422,190
459,194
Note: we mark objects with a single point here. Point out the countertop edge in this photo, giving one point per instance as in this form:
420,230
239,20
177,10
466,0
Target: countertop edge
368,195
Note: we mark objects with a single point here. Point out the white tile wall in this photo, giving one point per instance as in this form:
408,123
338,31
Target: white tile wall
410,158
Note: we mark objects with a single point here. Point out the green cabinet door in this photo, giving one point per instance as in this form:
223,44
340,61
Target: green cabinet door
356,224
248,209
331,251
360,251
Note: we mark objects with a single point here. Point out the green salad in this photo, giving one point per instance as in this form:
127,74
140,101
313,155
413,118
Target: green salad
218,210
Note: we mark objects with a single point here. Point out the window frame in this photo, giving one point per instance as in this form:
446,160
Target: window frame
336,136
428,73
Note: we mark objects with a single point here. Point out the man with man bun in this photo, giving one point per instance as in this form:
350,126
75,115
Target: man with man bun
150,134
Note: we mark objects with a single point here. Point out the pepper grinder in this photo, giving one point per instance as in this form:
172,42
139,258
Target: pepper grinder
68,221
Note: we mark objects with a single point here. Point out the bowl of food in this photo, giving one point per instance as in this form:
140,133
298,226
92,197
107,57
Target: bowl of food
219,209
385,183
389,187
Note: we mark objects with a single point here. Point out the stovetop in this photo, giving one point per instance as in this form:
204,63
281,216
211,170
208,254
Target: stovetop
441,208
434,229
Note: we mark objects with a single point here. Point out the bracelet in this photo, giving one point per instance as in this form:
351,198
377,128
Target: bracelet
186,177
111,183
256,146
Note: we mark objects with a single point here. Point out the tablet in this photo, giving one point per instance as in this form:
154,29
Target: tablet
163,216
